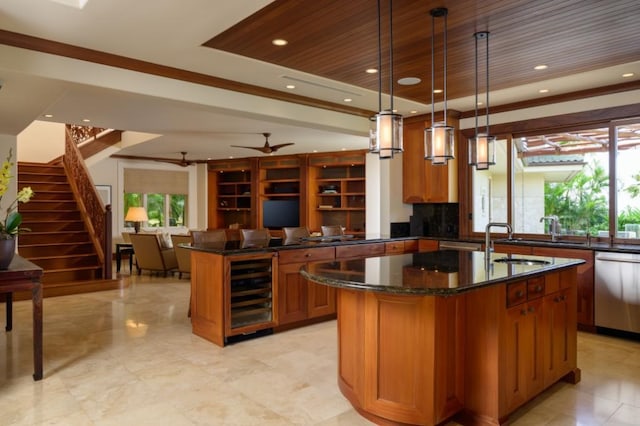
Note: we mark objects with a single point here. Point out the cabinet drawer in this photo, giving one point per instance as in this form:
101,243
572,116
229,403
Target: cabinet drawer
516,293
410,246
359,250
306,255
394,247
535,288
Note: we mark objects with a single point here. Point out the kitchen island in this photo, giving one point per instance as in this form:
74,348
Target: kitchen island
427,336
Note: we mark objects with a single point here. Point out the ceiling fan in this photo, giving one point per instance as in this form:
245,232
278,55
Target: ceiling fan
183,162
266,148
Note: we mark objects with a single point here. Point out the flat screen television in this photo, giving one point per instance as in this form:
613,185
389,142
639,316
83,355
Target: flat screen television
280,213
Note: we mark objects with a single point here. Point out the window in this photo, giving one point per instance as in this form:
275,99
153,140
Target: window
566,174
161,193
490,190
628,179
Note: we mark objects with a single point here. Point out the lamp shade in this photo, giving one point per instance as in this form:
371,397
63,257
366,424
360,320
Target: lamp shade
136,214
438,143
387,137
482,151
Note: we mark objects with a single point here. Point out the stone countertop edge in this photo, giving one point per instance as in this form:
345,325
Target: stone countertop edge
211,248
432,291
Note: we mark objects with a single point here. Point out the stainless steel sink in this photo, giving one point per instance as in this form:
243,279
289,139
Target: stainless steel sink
521,261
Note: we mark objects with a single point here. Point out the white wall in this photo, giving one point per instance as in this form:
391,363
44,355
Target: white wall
41,142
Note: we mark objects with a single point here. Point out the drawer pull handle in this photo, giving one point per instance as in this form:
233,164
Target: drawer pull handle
307,254
538,288
519,293
523,312
532,309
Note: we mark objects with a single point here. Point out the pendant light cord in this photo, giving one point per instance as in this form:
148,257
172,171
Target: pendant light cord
433,81
487,84
391,53
444,118
379,59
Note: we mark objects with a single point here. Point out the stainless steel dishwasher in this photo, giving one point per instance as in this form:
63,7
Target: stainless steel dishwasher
617,291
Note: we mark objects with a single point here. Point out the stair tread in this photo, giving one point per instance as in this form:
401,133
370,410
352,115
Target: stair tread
75,268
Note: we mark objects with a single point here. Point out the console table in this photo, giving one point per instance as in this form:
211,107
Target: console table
23,275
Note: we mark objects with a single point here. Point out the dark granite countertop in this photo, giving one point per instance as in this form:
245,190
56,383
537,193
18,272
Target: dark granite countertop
278,244
560,244
440,273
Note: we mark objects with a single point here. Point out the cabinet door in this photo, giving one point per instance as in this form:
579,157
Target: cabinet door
523,366
413,163
585,296
292,294
423,182
322,300
559,357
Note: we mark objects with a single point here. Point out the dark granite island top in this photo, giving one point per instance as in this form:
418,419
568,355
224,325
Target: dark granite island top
442,273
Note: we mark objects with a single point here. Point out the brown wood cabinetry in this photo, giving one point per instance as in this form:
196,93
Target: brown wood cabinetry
535,345
281,178
336,193
231,190
401,246
232,295
428,245
585,293
299,299
401,357
423,182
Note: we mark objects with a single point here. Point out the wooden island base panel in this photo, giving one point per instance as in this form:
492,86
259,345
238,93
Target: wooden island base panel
450,341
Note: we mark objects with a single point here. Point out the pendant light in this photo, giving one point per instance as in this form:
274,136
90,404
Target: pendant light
386,139
482,148
438,139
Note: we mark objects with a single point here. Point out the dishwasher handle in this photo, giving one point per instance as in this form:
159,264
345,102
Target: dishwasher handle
613,258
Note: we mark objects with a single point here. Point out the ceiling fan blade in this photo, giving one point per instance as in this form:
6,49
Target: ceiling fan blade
179,162
277,147
257,148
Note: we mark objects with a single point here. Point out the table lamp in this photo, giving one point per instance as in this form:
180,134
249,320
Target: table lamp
136,215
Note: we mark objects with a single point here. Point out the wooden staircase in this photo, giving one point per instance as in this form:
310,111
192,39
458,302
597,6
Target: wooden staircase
58,241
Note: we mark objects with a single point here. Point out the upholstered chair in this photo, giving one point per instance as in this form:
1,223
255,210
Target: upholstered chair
331,230
216,235
183,255
151,255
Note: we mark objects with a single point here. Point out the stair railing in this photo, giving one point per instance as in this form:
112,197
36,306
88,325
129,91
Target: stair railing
96,216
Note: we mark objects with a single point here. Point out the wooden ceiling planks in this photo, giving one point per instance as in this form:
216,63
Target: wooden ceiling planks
337,39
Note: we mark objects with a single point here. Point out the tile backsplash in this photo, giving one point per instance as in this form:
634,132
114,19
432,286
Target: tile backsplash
435,220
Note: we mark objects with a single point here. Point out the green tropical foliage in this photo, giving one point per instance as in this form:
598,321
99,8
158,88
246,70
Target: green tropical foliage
580,202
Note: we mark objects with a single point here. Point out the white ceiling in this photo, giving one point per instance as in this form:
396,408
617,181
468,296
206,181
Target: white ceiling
201,120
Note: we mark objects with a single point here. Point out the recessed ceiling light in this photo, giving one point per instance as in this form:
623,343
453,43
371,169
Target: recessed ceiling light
86,120
479,103
48,115
290,86
279,42
347,99
437,91
344,149
409,81
315,150
371,71
628,74
543,91
541,67
231,157
413,111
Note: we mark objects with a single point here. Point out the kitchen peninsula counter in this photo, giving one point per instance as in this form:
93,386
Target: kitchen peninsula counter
427,336
243,289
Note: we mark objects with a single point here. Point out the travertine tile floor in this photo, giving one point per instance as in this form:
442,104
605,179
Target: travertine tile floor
129,358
